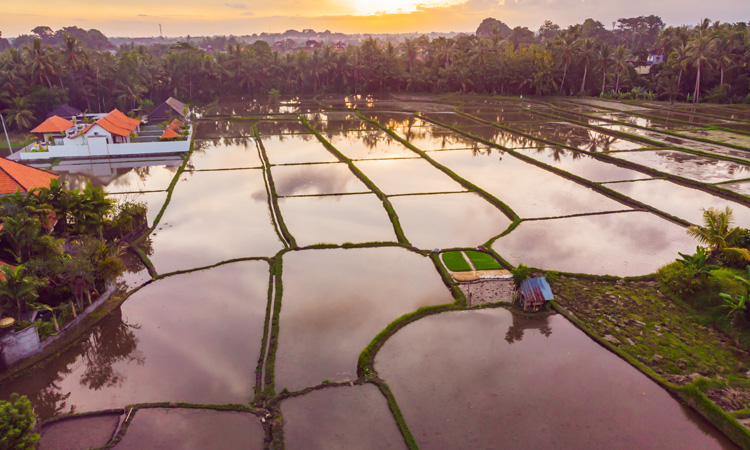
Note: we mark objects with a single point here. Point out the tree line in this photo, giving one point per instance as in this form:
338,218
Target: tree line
708,62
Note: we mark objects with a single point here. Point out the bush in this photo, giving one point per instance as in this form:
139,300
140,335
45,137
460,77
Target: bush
520,274
17,422
683,280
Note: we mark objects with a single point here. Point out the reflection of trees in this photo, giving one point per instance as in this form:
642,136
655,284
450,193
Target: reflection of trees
107,345
110,342
522,323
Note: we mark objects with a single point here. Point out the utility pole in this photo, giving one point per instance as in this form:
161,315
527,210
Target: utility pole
161,35
6,134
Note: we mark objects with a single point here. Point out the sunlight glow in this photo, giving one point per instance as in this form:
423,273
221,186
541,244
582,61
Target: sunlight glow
368,7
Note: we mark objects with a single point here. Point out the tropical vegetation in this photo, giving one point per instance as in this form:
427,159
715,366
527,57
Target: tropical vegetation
706,62
58,247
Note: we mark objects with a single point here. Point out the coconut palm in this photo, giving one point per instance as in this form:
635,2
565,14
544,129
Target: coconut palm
621,63
567,48
604,58
18,113
718,234
587,51
701,55
723,50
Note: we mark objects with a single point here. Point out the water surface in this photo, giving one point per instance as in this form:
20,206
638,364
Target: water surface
313,179
688,165
485,379
407,176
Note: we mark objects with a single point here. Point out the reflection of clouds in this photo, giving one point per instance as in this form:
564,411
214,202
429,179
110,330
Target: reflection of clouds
314,179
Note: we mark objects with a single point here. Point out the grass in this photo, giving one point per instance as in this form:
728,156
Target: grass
483,261
455,262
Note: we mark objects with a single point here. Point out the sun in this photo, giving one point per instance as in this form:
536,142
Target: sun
369,7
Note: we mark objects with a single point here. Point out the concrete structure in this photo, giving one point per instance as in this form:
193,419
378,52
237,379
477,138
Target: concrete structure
115,128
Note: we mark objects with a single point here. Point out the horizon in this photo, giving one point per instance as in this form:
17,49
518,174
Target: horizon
139,19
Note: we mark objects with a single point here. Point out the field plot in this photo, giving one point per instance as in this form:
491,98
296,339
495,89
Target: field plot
281,127
336,301
683,202
217,129
438,138
501,137
238,153
296,149
410,176
376,144
622,244
575,136
345,417
687,165
213,217
448,220
433,363
314,179
337,219
583,165
176,339
530,191
165,429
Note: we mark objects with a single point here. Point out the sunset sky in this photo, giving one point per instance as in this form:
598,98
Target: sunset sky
239,17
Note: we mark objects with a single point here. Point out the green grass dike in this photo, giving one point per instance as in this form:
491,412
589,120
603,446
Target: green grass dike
678,346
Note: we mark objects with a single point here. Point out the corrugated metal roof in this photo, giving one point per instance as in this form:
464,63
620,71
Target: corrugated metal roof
536,290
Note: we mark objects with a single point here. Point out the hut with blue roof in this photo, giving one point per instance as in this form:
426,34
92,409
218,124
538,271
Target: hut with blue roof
533,292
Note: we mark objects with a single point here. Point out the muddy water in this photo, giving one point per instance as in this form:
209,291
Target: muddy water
740,187
583,165
485,379
683,202
192,429
687,165
337,219
214,216
530,191
296,149
313,179
623,244
575,136
239,153
340,418
177,339
448,220
119,175
336,301
408,176
369,145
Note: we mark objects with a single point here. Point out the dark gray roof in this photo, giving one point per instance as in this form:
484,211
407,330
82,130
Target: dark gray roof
64,111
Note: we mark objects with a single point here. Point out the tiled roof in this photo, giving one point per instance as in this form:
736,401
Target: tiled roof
54,124
175,124
15,175
169,133
116,123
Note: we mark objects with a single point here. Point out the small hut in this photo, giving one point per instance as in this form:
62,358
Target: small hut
65,111
533,292
170,109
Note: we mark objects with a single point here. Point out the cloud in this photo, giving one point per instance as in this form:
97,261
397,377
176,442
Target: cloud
142,15
235,5
248,13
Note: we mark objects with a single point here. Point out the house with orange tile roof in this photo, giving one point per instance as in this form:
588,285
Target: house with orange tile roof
54,129
115,127
16,176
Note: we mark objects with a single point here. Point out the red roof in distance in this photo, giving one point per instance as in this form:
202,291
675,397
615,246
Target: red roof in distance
54,124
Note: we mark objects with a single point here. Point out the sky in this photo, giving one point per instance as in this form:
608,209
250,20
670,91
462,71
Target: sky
136,18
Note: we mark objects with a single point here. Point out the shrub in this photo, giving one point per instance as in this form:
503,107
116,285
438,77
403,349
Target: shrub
683,280
17,422
520,274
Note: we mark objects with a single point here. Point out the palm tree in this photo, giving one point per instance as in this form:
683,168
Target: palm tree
621,63
718,233
18,114
723,49
700,54
567,47
604,57
19,287
39,61
587,50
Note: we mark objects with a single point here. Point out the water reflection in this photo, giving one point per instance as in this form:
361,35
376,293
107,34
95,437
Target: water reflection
296,149
688,165
226,153
369,145
522,324
214,129
314,179
120,174
407,176
575,136
583,165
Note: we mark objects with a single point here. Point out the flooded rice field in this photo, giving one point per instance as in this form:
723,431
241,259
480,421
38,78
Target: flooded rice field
295,232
